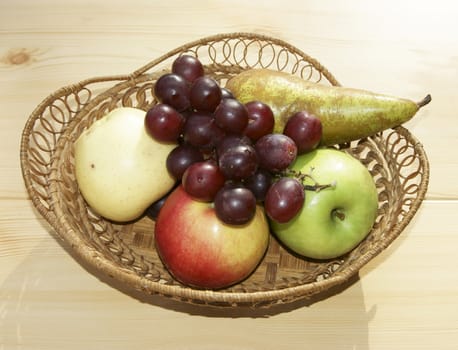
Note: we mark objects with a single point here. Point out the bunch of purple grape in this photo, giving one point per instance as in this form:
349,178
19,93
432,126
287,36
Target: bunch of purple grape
227,152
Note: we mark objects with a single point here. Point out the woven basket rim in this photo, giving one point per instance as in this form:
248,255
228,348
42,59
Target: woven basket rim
93,257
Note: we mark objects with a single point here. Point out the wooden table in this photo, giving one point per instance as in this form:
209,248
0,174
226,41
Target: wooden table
407,298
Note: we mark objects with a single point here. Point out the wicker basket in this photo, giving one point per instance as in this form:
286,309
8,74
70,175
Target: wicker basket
126,253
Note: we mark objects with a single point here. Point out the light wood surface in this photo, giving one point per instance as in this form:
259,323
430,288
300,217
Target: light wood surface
407,298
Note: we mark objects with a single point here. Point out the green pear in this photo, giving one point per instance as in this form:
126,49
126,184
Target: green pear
346,114
120,169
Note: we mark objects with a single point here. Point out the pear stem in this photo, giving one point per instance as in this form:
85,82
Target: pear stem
425,101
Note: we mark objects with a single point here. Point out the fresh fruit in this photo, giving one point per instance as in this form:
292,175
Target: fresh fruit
305,129
335,219
284,199
231,116
225,93
260,120
231,140
180,158
119,167
173,90
346,114
164,123
259,183
205,94
200,130
188,67
238,162
153,210
275,152
202,180
201,251
235,205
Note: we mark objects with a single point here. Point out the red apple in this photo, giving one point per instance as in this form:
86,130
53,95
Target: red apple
201,251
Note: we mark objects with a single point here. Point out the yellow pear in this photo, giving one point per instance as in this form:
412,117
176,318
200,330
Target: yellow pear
346,114
120,168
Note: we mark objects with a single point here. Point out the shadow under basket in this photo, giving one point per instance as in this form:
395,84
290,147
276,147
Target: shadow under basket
126,252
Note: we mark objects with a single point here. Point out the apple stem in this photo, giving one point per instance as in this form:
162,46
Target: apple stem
337,213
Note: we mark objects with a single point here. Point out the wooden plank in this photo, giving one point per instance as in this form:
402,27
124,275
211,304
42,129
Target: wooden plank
48,299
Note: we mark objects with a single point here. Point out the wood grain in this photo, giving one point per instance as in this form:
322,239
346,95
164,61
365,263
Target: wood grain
407,298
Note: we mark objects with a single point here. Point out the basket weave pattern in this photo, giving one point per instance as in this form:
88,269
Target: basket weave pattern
126,252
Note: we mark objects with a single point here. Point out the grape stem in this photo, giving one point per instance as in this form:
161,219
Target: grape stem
317,187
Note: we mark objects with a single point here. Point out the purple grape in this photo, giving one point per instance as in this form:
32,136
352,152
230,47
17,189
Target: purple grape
200,130
225,93
231,116
305,129
275,152
205,94
202,180
259,184
164,123
235,205
180,158
153,210
173,90
188,67
260,120
231,140
238,162
284,199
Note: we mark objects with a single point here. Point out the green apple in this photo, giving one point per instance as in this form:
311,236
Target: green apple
335,219
119,167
